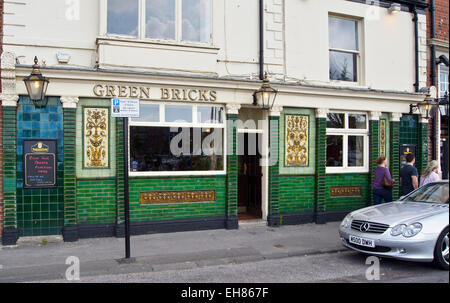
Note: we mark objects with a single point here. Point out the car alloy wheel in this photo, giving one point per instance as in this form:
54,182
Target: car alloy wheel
444,248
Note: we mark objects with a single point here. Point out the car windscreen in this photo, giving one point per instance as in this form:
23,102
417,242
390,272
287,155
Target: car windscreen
430,193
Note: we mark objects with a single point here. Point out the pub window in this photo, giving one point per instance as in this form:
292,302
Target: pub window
347,142
344,48
171,20
177,139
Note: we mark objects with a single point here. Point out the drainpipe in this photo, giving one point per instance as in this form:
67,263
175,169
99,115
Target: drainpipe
261,39
416,41
433,75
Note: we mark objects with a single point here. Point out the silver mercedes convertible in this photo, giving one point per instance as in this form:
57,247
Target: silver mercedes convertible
413,228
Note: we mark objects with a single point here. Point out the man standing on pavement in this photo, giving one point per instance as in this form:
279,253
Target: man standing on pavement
409,176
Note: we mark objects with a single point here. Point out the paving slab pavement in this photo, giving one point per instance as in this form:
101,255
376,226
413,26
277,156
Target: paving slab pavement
31,260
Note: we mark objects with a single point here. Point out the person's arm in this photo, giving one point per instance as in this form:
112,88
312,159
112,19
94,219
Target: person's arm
415,182
388,175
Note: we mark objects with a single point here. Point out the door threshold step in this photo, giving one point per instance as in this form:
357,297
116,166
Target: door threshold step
40,240
252,223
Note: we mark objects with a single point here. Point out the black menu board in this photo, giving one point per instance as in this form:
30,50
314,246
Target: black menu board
39,163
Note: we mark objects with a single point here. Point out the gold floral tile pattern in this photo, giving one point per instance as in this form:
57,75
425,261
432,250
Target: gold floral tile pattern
383,137
297,140
96,140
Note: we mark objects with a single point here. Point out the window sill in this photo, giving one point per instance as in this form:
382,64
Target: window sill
176,173
341,170
160,44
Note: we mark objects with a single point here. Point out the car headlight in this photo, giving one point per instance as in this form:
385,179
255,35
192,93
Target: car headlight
346,222
412,229
398,230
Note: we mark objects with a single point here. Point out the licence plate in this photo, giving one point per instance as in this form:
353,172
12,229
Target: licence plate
361,241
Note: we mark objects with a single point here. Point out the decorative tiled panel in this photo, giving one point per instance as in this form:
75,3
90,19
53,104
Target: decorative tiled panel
40,211
383,136
296,140
106,167
96,137
307,134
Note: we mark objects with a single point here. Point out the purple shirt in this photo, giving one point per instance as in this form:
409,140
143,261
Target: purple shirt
379,174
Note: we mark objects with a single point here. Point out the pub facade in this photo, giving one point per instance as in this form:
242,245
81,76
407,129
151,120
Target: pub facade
202,154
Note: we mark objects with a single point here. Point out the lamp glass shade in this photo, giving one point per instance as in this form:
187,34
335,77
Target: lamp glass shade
266,95
36,85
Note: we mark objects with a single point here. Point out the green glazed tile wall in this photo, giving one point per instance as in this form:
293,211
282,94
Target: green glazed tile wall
156,212
232,167
374,153
96,201
274,167
395,157
296,194
40,211
70,184
9,167
347,203
320,177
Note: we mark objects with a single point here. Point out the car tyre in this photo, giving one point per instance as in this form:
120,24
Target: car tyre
441,250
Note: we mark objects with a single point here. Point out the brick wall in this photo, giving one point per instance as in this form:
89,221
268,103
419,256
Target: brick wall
442,32
441,23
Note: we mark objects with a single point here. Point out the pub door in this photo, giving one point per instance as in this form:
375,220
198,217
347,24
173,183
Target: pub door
249,177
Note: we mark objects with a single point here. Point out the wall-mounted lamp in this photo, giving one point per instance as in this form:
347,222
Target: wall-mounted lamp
426,105
36,85
265,96
395,8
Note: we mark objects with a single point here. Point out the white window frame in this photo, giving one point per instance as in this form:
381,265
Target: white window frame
345,132
194,124
359,59
442,69
142,21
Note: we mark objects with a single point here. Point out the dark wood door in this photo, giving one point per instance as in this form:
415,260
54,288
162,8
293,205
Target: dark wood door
250,174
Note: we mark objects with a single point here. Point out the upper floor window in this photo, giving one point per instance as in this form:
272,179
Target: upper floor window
343,48
174,20
443,80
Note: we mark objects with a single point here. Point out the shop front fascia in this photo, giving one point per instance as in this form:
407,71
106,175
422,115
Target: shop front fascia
296,185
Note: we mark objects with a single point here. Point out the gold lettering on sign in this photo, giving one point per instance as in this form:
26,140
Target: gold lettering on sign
159,197
143,92
345,191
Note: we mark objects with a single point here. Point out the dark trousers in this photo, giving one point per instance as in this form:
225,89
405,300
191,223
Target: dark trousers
380,194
